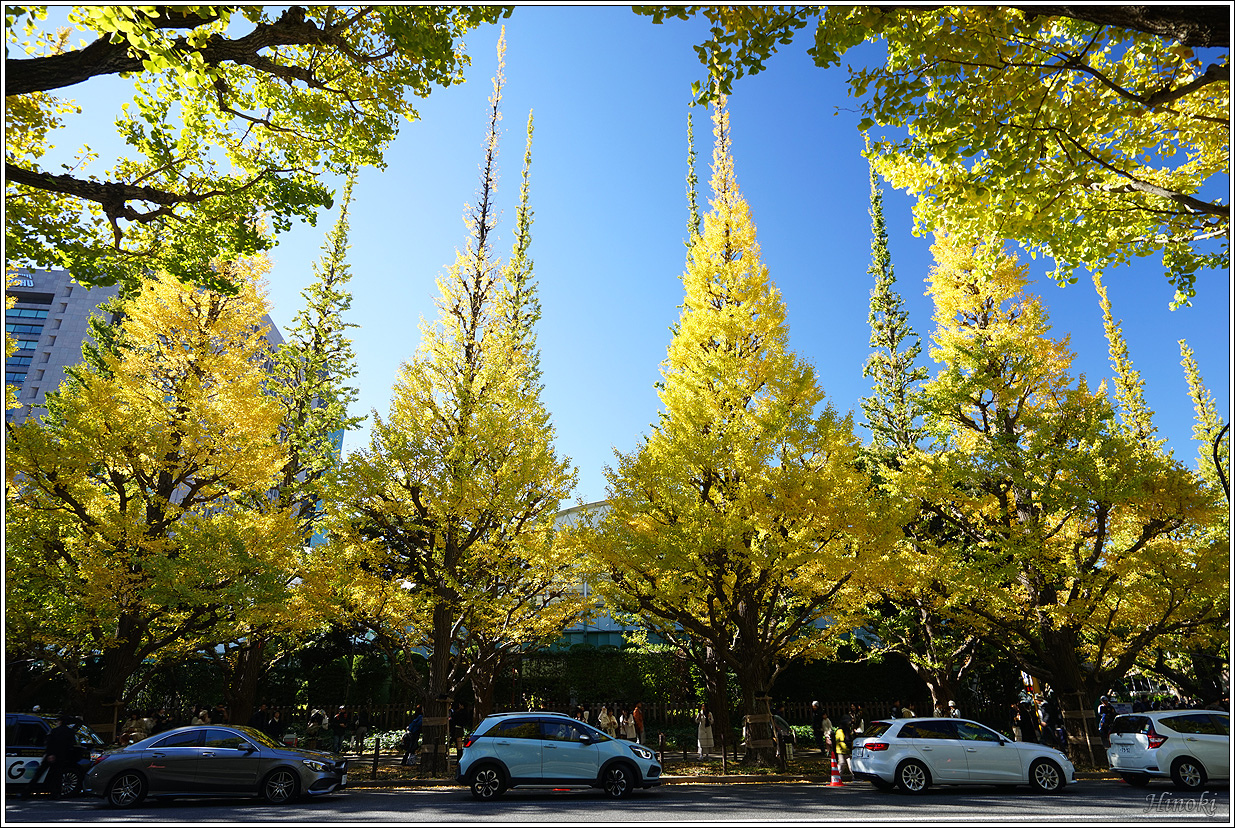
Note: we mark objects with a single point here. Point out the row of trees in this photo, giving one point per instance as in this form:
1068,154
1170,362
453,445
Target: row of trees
1003,503
164,505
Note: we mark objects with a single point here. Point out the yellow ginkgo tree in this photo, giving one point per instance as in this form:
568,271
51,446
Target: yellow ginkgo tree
137,526
441,529
737,526
1072,539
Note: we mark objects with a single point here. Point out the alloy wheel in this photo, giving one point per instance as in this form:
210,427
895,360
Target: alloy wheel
913,778
617,781
487,783
1046,776
280,787
126,790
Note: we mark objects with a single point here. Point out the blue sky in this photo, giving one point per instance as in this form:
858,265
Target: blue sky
610,92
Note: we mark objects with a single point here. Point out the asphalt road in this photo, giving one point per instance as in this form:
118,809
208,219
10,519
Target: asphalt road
1099,801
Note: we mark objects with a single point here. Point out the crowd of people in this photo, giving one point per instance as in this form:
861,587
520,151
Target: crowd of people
616,721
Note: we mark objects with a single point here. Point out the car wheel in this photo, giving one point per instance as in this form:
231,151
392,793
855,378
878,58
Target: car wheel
70,783
487,782
1188,774
1046,777
126,790
617,780
280,786
913,777
1136,780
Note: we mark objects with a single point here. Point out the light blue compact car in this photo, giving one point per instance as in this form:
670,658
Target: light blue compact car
551,750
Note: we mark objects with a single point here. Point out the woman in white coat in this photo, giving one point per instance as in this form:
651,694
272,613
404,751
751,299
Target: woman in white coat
705,721
607,722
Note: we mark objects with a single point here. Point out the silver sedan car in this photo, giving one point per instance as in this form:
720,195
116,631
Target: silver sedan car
213,760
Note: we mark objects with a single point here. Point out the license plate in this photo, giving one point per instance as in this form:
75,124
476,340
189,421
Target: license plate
1126,748
343,781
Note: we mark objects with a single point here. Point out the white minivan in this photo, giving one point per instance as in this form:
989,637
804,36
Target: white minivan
1192,747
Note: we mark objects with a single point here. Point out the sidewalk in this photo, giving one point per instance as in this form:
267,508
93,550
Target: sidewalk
807,766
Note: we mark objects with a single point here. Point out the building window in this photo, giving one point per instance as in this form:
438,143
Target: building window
19,360
31,313
14,379
24,329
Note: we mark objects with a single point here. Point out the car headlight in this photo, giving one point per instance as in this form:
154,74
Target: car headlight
314,765
642,752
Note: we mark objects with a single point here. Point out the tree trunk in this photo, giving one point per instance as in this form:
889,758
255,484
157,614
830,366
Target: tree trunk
940,684
436,730
99,700
243,668
482,695
1077,691
435,753
757,722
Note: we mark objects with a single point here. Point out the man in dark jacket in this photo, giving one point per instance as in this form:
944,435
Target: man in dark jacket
816,725
260,717
60,755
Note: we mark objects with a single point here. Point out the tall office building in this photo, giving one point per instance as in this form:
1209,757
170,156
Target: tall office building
49,323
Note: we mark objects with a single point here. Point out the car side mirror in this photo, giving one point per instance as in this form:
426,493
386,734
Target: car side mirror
249,748
586,738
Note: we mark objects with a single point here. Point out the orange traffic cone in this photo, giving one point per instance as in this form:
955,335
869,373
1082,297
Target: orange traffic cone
836,783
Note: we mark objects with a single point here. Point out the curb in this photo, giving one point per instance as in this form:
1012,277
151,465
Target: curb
713,779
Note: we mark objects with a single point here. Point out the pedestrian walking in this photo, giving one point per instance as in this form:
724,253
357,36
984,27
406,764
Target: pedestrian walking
133,729
411,736
60,754
313,730
637,715
458,726
1014,721
705,721
275,727
360,727
340,722
829,735
816,725
607,721
260,717
1106,719
953,710
841,739
857,720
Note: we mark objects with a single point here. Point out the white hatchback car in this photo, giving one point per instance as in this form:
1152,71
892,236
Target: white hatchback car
914,754
1192,747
